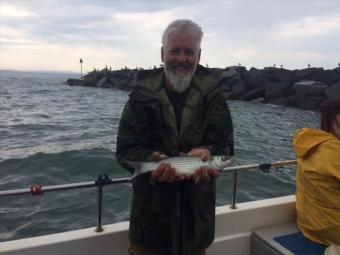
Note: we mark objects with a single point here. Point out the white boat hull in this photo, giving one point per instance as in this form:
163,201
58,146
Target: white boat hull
233,232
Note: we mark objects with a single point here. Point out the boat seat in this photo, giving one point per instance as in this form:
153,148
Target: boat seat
283,239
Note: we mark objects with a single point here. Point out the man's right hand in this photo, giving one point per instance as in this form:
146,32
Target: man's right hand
164,172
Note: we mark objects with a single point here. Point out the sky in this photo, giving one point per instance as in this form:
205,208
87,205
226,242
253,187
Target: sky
52,35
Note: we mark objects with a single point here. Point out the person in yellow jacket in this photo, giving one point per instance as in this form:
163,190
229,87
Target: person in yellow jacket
318,177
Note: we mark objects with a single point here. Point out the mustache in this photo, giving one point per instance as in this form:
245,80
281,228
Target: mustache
181,65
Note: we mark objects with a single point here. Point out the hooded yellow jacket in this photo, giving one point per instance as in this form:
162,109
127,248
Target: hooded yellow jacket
318,185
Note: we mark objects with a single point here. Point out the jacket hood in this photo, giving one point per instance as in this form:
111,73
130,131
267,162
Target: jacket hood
307,139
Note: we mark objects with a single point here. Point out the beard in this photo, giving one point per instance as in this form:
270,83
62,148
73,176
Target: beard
179,82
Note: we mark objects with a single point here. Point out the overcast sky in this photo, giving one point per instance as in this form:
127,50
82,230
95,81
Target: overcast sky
54,34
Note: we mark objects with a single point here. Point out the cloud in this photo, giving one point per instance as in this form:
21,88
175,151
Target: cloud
7,10
58,57
308,27
128,33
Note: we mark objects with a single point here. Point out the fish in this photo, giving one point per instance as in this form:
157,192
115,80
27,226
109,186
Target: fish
184,165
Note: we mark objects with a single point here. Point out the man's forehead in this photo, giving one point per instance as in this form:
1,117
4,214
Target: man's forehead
186,40
174,34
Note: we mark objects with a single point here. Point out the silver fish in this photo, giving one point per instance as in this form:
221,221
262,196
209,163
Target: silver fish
184,165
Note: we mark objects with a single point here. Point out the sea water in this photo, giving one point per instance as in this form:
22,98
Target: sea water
52,133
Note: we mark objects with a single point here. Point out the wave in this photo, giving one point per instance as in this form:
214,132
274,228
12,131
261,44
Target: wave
59,168
63,210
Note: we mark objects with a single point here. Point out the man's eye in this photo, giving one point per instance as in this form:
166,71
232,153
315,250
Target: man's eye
189,53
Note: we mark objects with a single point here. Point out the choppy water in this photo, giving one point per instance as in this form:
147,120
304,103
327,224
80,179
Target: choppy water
51,133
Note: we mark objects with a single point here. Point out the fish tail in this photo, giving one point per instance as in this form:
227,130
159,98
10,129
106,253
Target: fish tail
141,167
137,166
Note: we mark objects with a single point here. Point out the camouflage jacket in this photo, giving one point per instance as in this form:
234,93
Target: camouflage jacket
173,218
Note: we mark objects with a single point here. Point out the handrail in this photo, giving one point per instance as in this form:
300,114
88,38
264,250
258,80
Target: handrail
264,167
60,187
105,180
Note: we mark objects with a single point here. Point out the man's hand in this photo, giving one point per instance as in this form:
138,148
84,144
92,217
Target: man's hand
204,154
158,156
204,173
164,172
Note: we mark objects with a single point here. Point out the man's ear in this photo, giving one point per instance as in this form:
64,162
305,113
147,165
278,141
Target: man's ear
162,54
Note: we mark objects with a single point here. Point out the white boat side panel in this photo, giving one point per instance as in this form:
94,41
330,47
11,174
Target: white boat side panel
233,229
82,242
255,214
234,244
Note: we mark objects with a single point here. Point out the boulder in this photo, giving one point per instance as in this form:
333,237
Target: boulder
101,82
316,74
232,79
90,81
216,72
239,69
104,83
274,90
309,88
337,72
74,82
283,101
254,78
228,74
309,103
115,81
306,103
329,77
124,84
333,91
254,94
278,74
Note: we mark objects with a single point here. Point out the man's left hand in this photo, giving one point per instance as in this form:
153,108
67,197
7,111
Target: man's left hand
204,173
203,153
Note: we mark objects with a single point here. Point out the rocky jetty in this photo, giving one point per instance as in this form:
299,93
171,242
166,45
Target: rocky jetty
304,88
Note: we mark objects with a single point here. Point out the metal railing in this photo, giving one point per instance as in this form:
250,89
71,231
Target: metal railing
105,180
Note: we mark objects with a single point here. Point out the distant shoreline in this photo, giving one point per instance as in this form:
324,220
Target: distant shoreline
40,72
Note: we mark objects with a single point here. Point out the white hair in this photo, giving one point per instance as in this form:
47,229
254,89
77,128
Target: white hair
183,26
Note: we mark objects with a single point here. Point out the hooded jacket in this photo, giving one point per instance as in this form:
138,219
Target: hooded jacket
173,218
318,185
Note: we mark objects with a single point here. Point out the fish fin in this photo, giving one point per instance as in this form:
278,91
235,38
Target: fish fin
134,164
137,166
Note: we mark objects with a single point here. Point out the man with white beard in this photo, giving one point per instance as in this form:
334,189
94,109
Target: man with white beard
177,110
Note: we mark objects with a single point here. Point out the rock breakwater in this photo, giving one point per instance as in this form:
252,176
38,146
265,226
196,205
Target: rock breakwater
303,88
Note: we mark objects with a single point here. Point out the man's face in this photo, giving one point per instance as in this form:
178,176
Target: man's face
180,57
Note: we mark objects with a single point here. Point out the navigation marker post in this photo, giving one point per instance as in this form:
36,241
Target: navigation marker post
81,67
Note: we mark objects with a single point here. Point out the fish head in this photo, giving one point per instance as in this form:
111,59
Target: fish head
220,162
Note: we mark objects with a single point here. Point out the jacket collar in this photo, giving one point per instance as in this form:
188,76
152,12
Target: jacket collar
151,87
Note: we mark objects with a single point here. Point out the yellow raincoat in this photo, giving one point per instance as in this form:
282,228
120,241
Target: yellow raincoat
318,185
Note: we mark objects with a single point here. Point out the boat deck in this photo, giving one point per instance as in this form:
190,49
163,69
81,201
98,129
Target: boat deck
283,239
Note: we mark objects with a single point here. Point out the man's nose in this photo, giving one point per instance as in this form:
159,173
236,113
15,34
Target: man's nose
181,57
